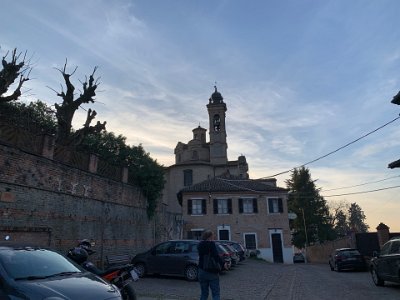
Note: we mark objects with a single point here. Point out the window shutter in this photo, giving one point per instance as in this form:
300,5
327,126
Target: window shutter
240,205
270,206
189,209
229,206
215,206
204,206
255,206
280,205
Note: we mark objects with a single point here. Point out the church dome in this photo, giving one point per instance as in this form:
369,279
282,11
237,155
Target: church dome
216,97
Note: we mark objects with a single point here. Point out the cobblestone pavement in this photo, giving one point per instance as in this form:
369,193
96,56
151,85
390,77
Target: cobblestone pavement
259,280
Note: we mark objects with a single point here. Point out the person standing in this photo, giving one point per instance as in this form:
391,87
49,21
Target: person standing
209,280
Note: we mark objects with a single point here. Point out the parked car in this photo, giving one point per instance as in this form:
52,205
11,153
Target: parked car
175,257
240,250
232,252
346,259
298,258
225,256
39,273
385,266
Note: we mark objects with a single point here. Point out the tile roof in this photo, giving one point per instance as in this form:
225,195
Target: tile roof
219,184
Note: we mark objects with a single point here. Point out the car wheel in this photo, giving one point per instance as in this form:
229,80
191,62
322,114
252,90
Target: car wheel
191,272
128,292
330,266
376,279
140,269
337,268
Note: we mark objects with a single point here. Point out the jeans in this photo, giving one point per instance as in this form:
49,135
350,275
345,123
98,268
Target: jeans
209,280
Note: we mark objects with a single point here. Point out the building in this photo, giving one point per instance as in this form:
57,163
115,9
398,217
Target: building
252,212
217,194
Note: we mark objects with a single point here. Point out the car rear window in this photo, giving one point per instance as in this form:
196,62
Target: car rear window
350,253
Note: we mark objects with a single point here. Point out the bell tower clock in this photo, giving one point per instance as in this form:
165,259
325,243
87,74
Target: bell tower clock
216,112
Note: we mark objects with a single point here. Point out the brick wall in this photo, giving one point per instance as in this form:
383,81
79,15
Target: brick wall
46,202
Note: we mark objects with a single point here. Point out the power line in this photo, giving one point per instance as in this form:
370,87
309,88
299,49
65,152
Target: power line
332,152
371,191
361,184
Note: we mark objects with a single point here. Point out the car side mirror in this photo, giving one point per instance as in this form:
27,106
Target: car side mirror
153,252
375,254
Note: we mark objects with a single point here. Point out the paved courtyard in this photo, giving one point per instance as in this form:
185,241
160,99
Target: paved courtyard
259,280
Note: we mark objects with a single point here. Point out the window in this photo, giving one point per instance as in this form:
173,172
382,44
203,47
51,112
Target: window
395,249
222,206
164,248
385,249
275,205
197,207
217,123
195,234
248,205
187,177
195,155
223,234
250,241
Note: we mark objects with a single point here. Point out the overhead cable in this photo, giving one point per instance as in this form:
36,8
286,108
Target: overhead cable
332,152
371,191
361,184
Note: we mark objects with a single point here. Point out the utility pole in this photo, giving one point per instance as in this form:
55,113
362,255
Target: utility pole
305,232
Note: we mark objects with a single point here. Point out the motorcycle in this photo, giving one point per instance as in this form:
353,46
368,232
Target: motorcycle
121,276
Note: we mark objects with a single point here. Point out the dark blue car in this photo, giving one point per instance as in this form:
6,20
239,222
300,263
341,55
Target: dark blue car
346,259
36,273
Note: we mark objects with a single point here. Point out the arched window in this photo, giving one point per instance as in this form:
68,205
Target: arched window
217,122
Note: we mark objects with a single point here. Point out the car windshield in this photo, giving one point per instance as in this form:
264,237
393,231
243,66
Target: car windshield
29,263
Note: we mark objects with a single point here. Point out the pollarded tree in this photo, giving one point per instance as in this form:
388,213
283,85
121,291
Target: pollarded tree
357,218
13,69
65,112
313,222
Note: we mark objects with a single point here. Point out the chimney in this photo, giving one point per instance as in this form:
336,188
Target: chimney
383,234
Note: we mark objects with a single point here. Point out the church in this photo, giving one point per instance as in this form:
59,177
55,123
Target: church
211,192
199,160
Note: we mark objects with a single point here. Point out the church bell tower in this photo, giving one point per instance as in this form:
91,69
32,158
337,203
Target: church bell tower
216,112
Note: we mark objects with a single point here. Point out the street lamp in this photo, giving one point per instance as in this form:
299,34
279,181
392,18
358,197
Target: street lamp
396,99
395,164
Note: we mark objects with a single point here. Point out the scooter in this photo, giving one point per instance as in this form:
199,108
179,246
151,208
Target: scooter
121,276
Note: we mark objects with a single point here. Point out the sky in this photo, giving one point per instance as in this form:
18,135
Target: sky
300,78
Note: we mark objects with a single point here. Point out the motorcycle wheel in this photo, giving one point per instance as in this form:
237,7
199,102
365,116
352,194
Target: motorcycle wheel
128,292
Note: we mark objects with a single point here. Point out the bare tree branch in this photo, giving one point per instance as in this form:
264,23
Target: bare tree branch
66,110
12,70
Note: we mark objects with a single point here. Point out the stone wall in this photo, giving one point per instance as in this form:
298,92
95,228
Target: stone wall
320,253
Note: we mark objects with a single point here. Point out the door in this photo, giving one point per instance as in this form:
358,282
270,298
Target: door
160,259
277,247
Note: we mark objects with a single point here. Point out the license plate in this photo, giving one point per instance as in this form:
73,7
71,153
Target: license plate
352,258
134,275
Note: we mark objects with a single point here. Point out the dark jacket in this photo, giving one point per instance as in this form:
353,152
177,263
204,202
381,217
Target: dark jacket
206,247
